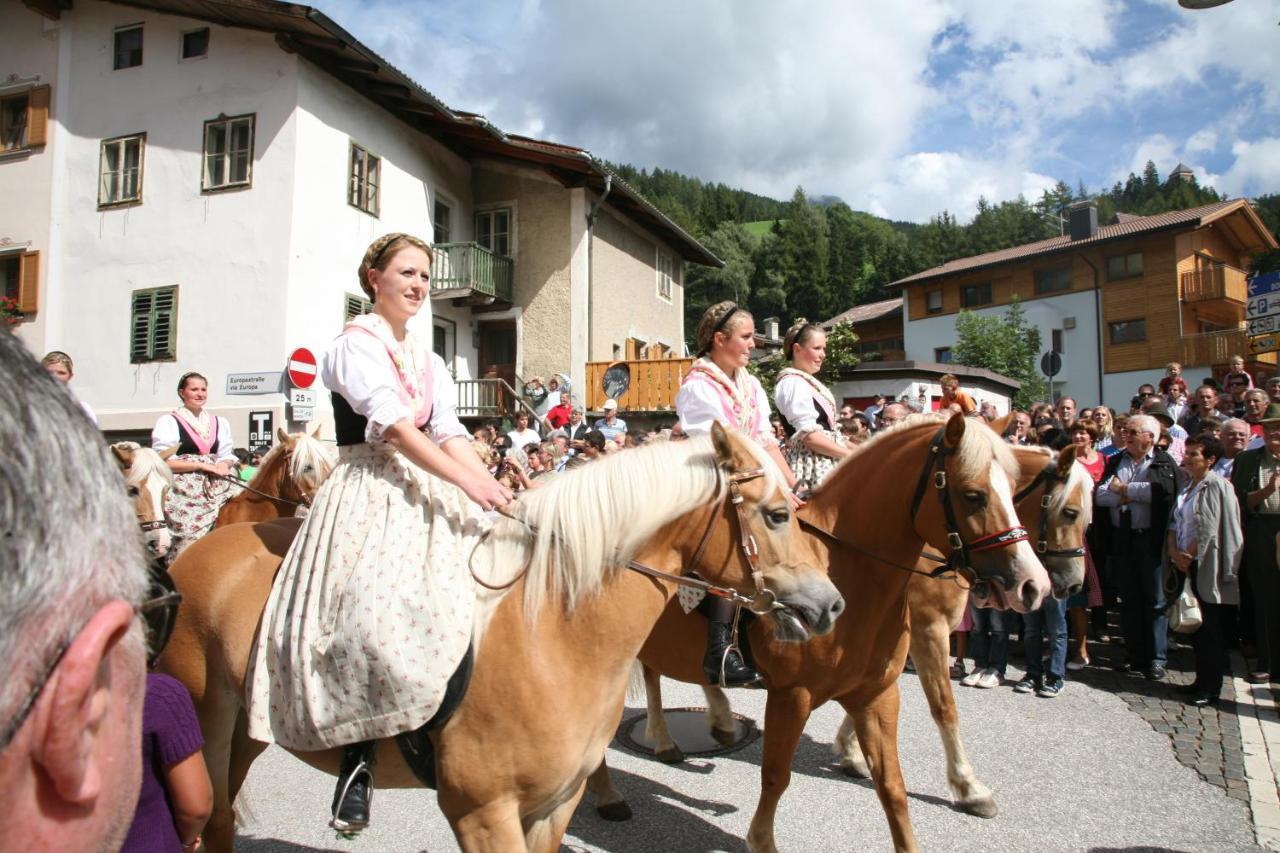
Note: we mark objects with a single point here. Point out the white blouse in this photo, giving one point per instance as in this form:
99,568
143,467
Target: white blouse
795,400
699,403
520,438
166,435
358,367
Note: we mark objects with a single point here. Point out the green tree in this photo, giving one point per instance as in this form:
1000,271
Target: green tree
705,286
1006,344
800,258
841,356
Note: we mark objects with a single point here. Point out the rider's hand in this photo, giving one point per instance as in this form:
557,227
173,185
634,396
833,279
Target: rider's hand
486,491
220,469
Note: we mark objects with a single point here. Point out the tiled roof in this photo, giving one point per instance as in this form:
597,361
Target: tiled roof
1126,227
866,313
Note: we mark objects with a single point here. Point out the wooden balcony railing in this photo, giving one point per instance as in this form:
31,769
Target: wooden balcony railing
490,398
470,270
1217,348
640,385
1216,282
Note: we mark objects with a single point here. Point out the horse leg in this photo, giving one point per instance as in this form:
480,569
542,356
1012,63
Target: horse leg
610,804
655,728
852,762
243,752
785,715
217,723
877,727
929,651
720,716
544,836
493,827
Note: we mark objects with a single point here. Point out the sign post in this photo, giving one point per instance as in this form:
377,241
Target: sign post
1262,310
260,430
1051,366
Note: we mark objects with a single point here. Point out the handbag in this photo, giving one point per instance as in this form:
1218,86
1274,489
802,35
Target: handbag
1184,614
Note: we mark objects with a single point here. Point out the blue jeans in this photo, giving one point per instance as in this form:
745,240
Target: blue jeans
989,639
1049,622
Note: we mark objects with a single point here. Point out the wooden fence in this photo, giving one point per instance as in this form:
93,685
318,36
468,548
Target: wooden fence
650,384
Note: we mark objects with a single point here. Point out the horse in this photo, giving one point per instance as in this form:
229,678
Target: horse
872,528
553,653
147,478
287,478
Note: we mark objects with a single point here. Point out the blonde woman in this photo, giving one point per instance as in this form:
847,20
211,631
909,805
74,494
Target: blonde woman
720,388
59,365
808,407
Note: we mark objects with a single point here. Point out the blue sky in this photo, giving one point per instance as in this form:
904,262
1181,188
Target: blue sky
902,109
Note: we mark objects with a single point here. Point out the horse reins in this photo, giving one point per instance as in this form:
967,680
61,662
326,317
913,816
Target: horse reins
1042,543
242,484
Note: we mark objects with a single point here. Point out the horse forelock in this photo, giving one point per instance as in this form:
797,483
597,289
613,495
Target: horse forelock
147,464
309,455
1078,480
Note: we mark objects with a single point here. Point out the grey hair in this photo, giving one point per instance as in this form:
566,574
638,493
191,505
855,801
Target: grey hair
69,541
1257,391
1143,423
1233,421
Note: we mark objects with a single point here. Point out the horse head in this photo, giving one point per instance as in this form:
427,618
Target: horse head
147,479
303,465
1055,501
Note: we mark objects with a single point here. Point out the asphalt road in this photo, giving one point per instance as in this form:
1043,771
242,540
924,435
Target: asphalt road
1080,772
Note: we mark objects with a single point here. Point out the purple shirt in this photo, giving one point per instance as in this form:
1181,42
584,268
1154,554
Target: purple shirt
170,733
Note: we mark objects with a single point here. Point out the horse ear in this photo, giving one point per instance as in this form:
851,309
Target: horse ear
1066,459
955,430
281,435
123,456
315,433
165,454
720,441
1001,425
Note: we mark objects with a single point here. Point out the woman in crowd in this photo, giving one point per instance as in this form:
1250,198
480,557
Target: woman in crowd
1084,435
385,545
1104,419
204,460
1205,543
59,365
808,408
720,388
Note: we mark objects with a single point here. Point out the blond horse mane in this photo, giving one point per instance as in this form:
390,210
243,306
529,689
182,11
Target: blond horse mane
307,454
145,463
593,518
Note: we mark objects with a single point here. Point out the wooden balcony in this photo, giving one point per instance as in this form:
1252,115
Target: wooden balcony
1216,282
639,385
471,274
1216,348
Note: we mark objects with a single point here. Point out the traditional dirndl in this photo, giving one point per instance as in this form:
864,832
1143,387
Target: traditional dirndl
810,467
193,503
372,609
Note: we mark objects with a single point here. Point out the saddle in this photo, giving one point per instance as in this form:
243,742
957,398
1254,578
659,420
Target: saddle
416,747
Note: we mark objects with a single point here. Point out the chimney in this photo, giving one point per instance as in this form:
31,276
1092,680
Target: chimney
771,328
1082,219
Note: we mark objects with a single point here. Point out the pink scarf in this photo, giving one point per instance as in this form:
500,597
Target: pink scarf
737,400
821,393
412,365
204,444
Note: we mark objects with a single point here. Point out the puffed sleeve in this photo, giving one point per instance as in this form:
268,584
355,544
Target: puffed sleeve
165,434
794,399
226,442
444,423
357,366
698,405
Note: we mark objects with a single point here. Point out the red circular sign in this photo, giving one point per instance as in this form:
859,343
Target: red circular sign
302,368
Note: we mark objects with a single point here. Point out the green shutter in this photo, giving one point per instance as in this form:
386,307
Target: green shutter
140,327
153,332
354,306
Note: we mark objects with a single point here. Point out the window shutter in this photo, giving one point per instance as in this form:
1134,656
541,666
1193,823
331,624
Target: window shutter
38,116
140,326
164,338
29,283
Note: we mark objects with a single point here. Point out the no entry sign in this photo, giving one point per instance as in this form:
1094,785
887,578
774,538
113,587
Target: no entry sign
302,368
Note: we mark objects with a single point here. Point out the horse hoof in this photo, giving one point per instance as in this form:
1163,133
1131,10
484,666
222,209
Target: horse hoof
671,755
725,737
615,811
854,770
985,807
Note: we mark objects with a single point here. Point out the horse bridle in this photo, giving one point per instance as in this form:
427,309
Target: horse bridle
1042,542
242,484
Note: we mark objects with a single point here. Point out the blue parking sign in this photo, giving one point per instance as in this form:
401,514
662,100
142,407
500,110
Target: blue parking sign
1261,285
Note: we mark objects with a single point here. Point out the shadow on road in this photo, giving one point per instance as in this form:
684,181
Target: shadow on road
662,820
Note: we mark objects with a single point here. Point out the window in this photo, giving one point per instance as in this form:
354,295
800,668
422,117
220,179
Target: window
153,334
24,119
493,231
1056,334
228,152
120,171
362,191
1124,266
128,47
972,295
664,276
20,279
933,301
195,44
1054,279
942,355
441,220
1128,331
353,306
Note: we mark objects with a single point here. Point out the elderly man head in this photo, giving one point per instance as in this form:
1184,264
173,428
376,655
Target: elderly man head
1255,404
1273,389
72,656
1235,436
892,415
1140,435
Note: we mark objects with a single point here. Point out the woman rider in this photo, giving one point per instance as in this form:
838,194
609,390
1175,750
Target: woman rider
807,406
720,388
370,613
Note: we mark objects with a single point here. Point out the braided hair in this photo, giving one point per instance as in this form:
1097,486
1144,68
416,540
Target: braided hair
800,333
717,319
380,253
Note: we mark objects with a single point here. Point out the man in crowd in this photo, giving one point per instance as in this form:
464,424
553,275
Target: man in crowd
1205,405
577,428
72,655
1021,431
1235,437
611,425
872,412
1138,487
892,415
1256,477
1066,410
1237,387
1255,405
1273,389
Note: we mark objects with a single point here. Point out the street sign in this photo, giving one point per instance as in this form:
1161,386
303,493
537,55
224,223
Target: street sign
260,426
1264,325
1051,363
1263,284
302,414
1265,305
302,397
1264,343
264,382
302,368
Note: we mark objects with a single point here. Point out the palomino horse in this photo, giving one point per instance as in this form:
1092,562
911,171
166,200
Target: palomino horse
552,663
147,477
872,532
287,478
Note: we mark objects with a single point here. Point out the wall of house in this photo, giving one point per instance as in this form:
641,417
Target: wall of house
626,303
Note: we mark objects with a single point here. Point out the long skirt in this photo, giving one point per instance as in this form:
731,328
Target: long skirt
193,503
808,466
372,609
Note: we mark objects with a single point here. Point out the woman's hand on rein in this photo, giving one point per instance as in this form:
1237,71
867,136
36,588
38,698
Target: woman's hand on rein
486,491
219,469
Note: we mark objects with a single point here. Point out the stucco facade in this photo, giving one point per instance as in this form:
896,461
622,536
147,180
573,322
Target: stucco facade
626,302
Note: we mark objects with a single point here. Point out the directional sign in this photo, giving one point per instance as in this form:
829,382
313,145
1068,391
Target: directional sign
264,382
1260,285
1264,325
302,414
1263,305
1264,343
302,368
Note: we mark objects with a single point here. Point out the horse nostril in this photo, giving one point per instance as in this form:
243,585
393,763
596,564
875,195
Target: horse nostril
837,607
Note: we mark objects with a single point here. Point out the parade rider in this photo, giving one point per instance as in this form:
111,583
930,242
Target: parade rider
204,458
720,388
371,611
807,406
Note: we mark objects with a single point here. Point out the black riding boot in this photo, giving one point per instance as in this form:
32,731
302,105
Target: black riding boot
352,797
723,665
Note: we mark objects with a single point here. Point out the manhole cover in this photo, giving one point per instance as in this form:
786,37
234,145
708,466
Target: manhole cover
690,731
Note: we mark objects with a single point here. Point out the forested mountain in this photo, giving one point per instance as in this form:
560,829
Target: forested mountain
822,257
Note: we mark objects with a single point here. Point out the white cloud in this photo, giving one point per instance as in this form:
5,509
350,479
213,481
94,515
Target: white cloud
920,185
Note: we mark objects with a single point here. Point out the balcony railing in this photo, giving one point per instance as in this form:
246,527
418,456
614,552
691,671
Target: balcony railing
644,385
469,270
1216,282
490,398
1217,348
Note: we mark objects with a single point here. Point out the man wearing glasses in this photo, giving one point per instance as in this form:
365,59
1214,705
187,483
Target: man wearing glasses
72,653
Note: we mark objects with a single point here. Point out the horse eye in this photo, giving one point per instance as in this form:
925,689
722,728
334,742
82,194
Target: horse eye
778,517
974,496
133,491
1071,514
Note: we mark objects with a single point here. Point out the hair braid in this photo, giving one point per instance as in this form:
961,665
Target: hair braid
382,250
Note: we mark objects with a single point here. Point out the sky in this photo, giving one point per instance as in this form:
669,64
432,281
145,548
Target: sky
902,109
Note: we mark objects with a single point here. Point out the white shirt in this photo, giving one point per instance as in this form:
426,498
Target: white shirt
794,398
358,367
519,438
700,404
166,435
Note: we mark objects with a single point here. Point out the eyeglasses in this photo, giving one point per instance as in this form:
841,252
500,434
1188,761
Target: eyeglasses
166,605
